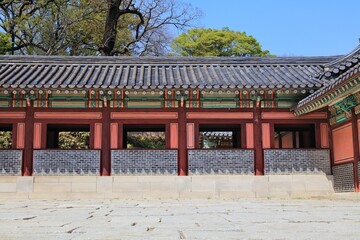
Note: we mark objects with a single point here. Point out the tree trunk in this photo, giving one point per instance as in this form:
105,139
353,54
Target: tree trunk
112,17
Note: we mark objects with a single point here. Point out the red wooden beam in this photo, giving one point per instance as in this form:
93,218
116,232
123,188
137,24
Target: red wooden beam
29,138
182,153
105,143
356,148
258,150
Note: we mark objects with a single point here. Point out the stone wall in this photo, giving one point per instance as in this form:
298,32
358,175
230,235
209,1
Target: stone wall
10,162
343,177
165,187
66,162
235,161
144,162
297,161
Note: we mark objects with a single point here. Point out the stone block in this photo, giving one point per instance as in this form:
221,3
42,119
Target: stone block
228,187
50,195
260,184
279,187
318,186
156,179
52,187
183,184
163,187
6,179
280,178
83,187
280,184
298,187
125,179
131,187
41,179
248,179
209,178
25,184
104,184
78,179
12,196
279,194
8,187
203,187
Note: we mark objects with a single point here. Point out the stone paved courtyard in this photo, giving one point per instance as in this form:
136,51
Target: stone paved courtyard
191,219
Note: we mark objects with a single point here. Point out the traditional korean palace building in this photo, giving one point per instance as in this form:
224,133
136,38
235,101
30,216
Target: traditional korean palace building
261,122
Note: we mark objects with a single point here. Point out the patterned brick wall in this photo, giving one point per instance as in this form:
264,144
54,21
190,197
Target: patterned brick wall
66,162
297,161
343,177
10,162
144,162
221,161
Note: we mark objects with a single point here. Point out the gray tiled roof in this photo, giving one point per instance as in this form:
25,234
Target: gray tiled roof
217,134
335,73
160,72
335,68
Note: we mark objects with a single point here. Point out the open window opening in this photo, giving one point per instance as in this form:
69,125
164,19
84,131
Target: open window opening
144,136
68,136
5,136
219,136
294,136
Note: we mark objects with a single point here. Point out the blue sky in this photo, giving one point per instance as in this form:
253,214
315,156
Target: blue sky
289,27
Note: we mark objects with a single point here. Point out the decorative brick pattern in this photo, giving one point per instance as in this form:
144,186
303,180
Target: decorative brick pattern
10,162
344,177
144,162
66,162
221,162
297,161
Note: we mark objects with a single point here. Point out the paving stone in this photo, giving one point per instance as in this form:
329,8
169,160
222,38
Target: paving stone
173,219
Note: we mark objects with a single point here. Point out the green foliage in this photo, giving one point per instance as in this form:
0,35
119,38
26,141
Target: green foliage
144,141
74,140
5,43
5,139
220,43
78,27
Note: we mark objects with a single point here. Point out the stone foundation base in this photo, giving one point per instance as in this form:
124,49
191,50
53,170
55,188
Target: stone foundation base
166,187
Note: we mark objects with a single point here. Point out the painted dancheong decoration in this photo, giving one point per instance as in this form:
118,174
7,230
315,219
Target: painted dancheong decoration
89,116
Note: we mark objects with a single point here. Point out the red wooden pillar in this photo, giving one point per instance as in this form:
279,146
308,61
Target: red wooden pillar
105,143
258,150
182,152
356,148
29,138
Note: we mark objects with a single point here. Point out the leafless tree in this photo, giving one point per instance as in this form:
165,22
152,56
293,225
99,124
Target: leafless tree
150,31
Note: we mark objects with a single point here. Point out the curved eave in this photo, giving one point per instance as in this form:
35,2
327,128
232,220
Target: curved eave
342,64
329,95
